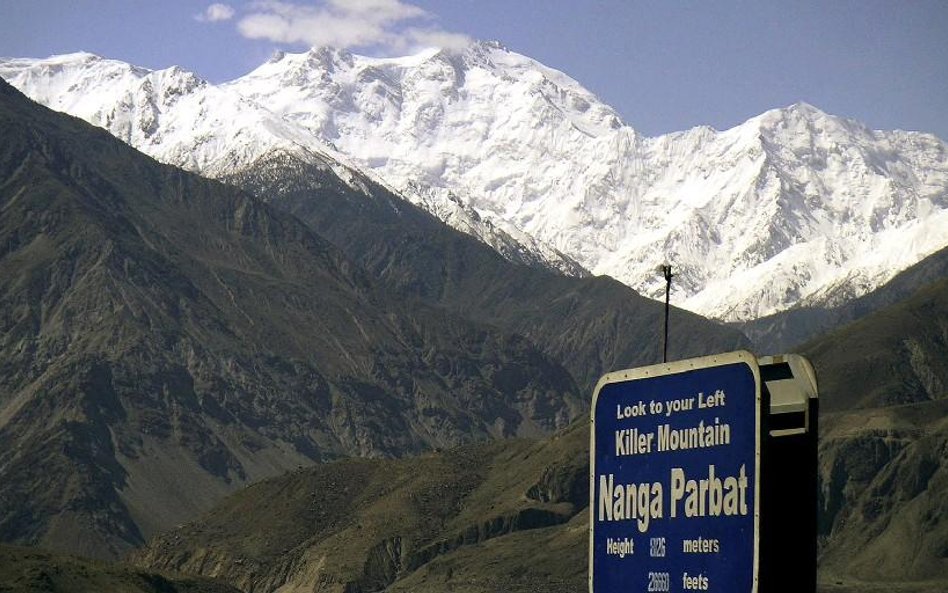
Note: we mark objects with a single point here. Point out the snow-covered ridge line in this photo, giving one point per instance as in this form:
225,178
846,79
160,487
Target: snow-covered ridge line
178,118
794,205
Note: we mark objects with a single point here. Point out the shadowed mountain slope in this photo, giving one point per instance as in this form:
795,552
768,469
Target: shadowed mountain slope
884,442
589,325
884,494
894,356
165,339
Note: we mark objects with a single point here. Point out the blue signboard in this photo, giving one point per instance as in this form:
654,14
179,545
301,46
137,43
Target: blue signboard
675,463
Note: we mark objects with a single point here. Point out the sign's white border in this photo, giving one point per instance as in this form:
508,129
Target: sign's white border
674,368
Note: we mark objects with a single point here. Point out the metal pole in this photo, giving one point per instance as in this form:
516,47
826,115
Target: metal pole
667,271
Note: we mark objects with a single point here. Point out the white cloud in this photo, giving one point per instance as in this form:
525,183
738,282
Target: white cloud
438,38
216,12
389,24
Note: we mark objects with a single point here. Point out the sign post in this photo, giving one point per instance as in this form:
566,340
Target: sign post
675,453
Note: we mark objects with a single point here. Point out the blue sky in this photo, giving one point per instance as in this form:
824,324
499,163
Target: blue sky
664,65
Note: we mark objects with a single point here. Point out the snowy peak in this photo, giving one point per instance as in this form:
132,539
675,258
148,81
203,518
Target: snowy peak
75,83
80,83
813,150
123,98
299,69
333,91
830,198
171,114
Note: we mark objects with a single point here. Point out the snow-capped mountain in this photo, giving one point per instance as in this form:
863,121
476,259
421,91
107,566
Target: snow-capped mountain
180,119
169,114
792,206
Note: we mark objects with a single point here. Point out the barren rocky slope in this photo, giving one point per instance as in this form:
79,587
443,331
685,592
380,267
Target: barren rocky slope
369,525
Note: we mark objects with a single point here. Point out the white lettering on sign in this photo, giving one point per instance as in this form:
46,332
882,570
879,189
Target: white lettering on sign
630,441
630,411
620,547
701,436
709,497
623,502
694,583
706,497
711,401
700,545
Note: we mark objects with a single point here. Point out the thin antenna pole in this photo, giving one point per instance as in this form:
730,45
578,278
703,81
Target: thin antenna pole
667,271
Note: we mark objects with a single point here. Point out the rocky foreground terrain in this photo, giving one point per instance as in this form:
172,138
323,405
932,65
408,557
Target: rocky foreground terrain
512,516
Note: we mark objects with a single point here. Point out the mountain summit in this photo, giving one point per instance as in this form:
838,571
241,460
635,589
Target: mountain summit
792,207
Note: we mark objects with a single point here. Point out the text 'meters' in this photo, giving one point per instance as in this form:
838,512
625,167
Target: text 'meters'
674,482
